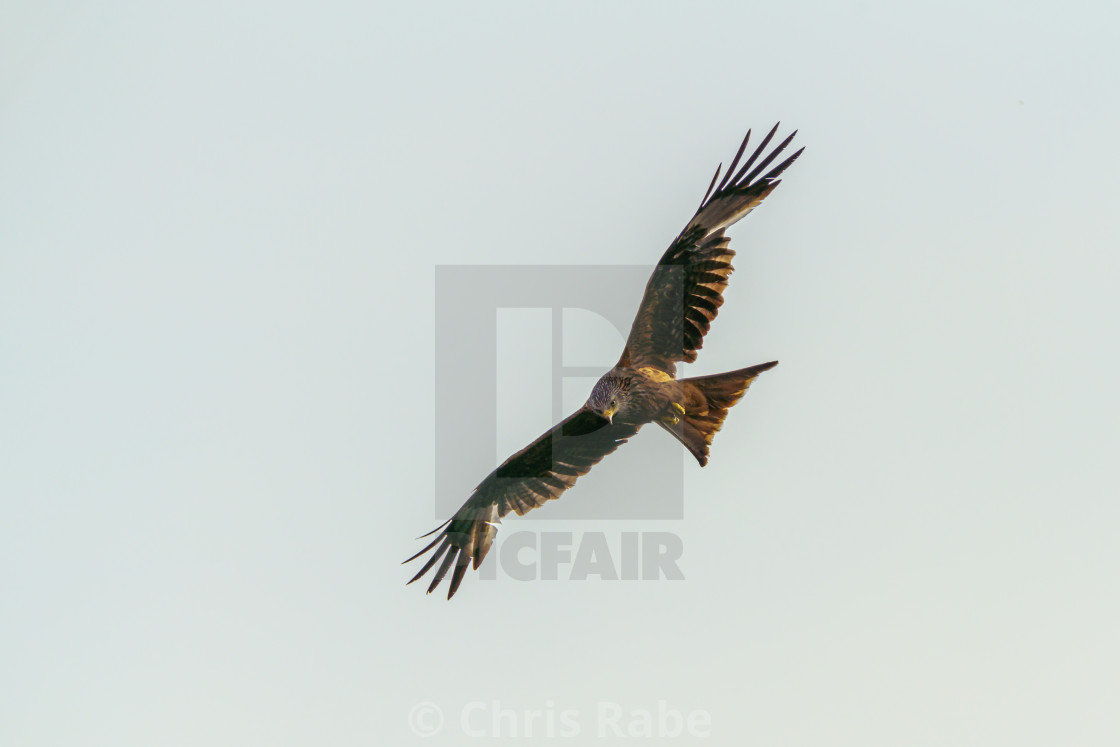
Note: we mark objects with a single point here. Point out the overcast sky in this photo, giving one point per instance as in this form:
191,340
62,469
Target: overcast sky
219,242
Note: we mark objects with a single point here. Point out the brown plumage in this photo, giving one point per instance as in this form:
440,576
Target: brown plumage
680,302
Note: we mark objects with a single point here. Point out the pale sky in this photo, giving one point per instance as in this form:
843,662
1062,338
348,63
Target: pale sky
218,255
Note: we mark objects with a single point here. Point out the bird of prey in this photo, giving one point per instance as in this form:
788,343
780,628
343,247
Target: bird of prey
681,299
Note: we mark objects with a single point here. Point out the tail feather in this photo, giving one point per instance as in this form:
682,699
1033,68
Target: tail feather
707,401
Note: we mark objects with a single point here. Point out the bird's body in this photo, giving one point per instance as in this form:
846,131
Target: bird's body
637,396
640,395
681,299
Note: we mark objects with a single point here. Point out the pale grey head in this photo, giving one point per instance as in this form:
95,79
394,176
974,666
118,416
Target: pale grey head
610,396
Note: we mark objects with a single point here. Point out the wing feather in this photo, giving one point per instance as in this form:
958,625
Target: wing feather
686,288
539,473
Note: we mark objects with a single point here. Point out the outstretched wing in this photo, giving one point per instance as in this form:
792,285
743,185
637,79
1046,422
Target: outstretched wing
685,291
540,472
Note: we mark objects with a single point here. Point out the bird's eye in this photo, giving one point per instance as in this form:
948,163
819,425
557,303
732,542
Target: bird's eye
614,404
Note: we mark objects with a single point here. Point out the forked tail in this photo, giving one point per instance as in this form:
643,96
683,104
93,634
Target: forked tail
707,400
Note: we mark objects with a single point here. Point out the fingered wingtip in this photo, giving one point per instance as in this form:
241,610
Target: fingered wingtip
429,534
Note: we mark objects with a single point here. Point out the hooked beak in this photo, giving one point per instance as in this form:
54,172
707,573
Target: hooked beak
609,414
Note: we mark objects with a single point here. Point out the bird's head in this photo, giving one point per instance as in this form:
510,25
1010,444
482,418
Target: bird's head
610,396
